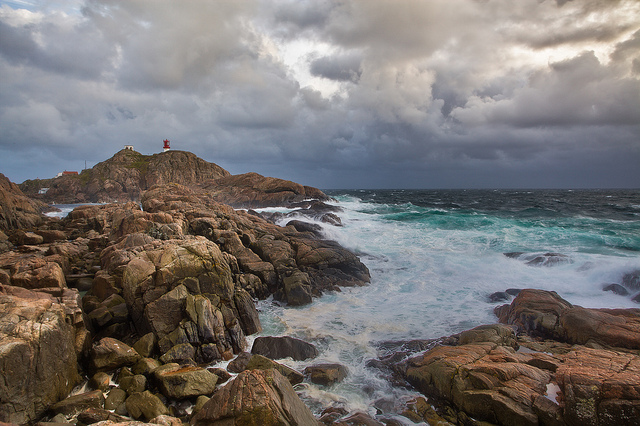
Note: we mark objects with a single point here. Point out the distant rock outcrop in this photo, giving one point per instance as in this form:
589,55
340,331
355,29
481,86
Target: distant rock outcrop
123,177
251,190
128,173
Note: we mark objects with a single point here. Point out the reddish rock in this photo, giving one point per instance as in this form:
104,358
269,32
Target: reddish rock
486,381
256,397
544,314
600,387
35,272
38,352
251,190
16,209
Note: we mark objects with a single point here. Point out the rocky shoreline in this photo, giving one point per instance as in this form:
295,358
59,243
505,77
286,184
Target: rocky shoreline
134,301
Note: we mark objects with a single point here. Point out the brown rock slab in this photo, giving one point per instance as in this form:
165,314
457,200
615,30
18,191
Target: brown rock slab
179,382
256,397
78,403
145,405
544,314
109,354
326,374
37,349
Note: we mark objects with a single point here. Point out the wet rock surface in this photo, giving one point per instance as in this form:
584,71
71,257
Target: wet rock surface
551,363
171,284
284,347
166,291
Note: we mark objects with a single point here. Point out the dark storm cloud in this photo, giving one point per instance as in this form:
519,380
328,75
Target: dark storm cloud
77,50
345,67
344,93
294,16
578,91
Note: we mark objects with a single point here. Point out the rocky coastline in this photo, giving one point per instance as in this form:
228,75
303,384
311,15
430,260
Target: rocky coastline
135,300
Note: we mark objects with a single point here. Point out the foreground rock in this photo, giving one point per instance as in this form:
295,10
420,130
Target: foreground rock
167,288
490,374
38,351
256,397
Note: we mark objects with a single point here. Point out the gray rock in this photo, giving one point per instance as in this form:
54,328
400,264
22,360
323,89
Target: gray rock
78,403
145,405
146,345
116,397
326,374
179,382
284,347
109,354
133,384
616,288
631,280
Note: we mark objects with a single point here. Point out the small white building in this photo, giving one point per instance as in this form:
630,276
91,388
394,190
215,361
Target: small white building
43,190
129,147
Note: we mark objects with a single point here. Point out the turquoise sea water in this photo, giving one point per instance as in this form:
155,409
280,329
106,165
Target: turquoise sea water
435,256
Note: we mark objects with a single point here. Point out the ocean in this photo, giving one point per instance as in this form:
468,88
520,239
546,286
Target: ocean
436,256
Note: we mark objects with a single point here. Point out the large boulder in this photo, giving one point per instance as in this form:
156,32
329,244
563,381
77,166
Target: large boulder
110,354
485,380
35,272
183,292
544,314
283,347
491,375
600,387
38,352
179,382
256,397
326,374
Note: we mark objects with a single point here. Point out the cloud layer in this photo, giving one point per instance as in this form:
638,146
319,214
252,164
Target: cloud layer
335,94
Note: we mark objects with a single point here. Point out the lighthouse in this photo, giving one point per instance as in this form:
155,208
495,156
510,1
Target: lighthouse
166,145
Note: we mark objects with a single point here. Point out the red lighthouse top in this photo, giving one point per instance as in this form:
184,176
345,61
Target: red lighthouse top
166,144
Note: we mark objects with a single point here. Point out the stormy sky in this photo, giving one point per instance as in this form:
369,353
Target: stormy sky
330,93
